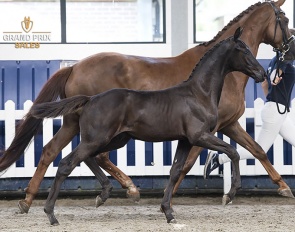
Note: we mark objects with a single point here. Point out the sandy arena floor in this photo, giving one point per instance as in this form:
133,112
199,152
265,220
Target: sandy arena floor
119,214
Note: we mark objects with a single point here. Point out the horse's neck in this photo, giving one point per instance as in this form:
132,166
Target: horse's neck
208,76
252,25
252,36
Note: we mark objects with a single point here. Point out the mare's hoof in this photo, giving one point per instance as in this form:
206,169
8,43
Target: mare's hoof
226,200
98,202
23,206
134,195
173,221
286,192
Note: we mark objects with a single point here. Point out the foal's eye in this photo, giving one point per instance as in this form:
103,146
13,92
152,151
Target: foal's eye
243,50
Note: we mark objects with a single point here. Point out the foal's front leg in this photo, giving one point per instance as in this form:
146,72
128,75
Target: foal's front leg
181,154
209,141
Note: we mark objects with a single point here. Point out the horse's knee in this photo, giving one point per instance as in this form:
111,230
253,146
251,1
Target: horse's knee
233,155
260,155
48,155
64,168
102,158
175,174
187,166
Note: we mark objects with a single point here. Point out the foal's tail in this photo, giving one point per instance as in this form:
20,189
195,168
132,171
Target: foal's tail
59,108
53,89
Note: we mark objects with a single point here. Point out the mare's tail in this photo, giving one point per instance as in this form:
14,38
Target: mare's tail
59,108
53,89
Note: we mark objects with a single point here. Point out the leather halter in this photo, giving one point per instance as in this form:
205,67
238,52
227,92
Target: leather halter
286,41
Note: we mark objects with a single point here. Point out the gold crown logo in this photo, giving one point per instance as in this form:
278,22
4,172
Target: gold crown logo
27,24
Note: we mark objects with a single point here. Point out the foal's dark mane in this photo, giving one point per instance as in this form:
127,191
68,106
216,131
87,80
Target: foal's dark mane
236,19
206,54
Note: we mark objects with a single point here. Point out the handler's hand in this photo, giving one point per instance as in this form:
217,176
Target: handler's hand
277,80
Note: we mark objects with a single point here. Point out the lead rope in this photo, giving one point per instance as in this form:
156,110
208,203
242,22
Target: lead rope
284,93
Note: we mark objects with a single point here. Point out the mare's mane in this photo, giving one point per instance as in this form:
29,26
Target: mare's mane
236,19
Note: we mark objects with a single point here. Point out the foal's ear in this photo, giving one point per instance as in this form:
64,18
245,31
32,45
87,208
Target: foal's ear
238,33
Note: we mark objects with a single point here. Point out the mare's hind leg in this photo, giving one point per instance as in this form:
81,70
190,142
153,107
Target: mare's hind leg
125,181
103,180
237,133
181,154
209,141
50,151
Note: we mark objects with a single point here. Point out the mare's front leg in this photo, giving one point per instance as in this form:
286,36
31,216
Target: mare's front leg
209,141
237,133
125,181
180,157
50,151
65,167
103,180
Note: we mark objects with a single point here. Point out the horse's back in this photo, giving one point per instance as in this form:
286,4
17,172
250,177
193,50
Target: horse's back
108,70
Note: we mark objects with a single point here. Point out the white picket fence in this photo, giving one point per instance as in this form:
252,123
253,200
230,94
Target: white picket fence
9,115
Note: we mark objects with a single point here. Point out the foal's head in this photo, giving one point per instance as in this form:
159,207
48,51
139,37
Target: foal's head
241,58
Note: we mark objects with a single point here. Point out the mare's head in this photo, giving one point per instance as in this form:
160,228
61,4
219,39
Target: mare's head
289,55
241,58
277,32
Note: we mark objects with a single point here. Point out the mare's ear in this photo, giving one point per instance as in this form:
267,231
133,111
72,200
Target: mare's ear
238,33
280,3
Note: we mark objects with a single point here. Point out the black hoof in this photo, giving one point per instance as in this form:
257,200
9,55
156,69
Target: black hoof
52,219
172,221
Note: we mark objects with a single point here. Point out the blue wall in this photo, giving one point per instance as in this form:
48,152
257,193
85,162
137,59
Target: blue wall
22,80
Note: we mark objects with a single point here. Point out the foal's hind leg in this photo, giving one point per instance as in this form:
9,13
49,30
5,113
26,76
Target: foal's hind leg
181,154
65,167
237,133
125,181
190,161
65,134
103,180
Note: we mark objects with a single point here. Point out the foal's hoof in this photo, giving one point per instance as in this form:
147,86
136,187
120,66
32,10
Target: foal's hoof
98,202
52,219
286,192
226,200
23,206
173,221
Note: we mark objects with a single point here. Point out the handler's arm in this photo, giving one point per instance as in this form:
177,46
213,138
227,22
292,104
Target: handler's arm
264,86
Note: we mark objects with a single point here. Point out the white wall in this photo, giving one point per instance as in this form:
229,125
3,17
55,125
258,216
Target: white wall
170,48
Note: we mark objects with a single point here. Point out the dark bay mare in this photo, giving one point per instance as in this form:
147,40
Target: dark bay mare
187,112
263,23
